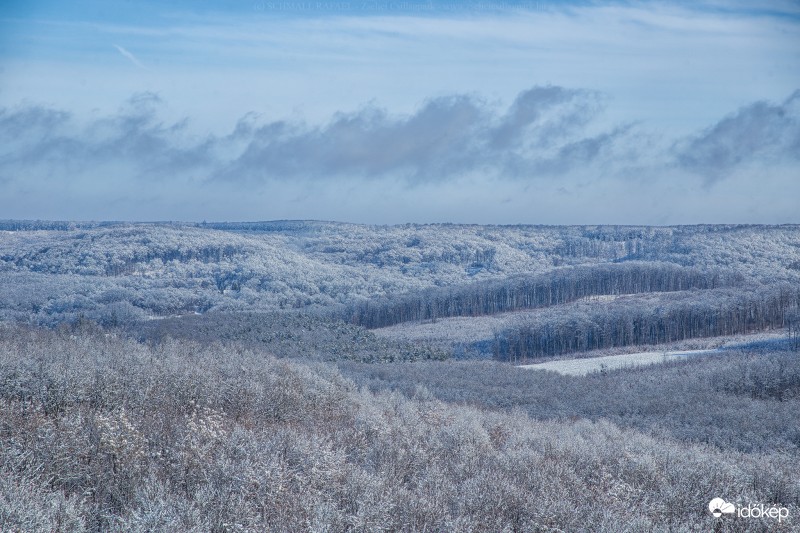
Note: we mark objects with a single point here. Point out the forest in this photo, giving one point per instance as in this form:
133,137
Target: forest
316,376
646,321
101,433
558,286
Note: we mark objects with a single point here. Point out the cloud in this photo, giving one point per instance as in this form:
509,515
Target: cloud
546,157
547,132
759,132
132,58
443,139
55,142
555,110
540,134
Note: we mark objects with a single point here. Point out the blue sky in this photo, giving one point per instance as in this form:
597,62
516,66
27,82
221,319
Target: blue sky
390,112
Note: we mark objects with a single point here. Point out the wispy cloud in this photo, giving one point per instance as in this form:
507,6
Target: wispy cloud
763,132
132,58
547,132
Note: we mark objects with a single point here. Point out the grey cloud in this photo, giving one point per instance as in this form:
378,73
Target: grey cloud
53,142
137,135
440,139
582,152
759,131
445,138
29,120
567,109
23,129
543,133
31,140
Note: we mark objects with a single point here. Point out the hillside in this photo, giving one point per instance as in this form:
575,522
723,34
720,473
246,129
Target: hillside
314,376
99,433
55,271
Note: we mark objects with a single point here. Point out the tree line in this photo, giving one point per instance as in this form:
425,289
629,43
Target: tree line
527,292
793,326
707,314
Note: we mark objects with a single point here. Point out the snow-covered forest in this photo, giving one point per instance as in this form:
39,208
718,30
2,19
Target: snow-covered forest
597,287
55,271
315,376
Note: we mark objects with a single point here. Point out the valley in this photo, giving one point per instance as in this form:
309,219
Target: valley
300,375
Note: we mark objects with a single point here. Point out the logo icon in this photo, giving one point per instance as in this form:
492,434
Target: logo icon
719,507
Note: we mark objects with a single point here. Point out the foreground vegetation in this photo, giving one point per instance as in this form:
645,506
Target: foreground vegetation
100,433
743,400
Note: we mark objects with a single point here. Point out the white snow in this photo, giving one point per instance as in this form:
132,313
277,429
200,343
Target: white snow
582,367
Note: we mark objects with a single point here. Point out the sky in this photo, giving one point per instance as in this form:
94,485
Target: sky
385,112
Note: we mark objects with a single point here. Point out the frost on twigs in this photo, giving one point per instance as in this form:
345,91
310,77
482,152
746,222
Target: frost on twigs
120,440
214,438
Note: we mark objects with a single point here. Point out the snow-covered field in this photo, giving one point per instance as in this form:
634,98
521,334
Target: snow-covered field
582,367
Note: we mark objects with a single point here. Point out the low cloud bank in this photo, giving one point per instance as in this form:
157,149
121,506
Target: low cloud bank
549,143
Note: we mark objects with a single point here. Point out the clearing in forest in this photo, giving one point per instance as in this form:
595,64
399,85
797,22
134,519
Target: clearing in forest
582,367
